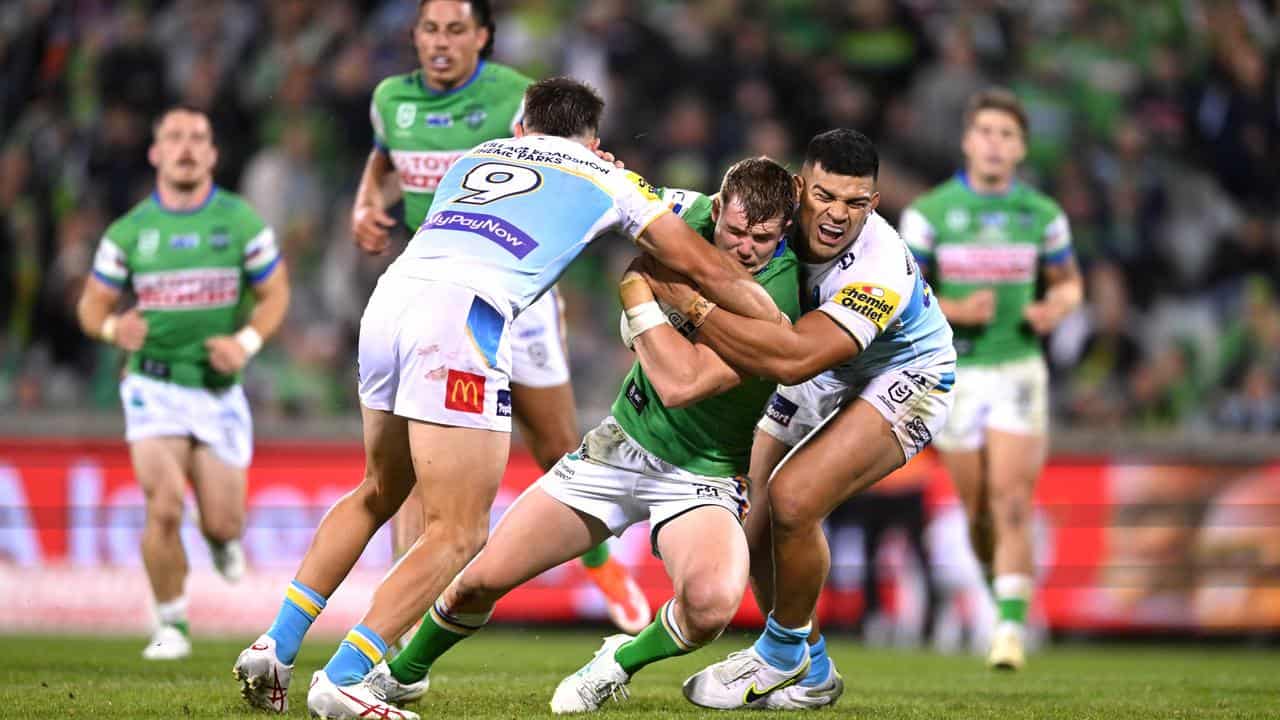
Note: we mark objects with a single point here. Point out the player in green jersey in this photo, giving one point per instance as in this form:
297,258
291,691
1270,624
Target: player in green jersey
674,453
190,252
988,240
423,121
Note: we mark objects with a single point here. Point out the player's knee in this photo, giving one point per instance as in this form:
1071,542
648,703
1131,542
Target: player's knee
382,499
459,541
223,527
1012,511
708,606
791,512
549,447
164,511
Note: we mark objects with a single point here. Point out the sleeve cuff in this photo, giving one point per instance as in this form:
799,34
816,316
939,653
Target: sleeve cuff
261,274
106,279
1058,257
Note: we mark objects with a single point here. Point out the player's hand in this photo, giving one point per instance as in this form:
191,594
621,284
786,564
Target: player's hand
371,227
669,286
226,355
980,307
131,331
1042,316
608,157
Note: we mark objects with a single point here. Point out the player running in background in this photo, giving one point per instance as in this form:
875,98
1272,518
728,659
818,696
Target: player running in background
674,452
867,374
190,252
423,121
986,240
434,369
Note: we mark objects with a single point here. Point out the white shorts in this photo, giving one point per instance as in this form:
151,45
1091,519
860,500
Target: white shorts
1011,397
615,480
914,401
435,352
217,418
538,357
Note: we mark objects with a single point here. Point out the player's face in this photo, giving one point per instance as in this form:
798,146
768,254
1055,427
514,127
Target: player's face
448,40
833,209
751,245
993,146
182,151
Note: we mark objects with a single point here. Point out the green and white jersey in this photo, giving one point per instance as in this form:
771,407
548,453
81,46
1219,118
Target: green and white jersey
425,131
968,241
191,271
711,437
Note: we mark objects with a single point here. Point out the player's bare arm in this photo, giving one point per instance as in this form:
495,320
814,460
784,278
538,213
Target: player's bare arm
370,224
723,281
127,330
230,353
786,353
1064,293
681,372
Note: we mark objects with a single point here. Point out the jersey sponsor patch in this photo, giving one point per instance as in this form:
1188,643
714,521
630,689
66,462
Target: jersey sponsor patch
635,397
874,302
188,289
504,403
464,392
646,190
421,171
781,410
493,228
987,263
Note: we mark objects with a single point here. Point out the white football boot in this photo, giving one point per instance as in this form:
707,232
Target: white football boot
802,697
393,690
743,679
167,643
361,700
1006,648
600,679
264,679
228,559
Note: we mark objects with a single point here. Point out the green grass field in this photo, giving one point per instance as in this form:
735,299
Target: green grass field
511,673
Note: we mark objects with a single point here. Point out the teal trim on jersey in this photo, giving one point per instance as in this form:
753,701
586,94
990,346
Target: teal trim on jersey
117,284
422,82
946,382
262,274
155,197
485,326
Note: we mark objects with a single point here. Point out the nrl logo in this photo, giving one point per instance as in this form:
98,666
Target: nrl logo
405,114
475,116
148,241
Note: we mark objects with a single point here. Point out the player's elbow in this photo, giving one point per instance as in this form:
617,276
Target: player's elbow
788,371
675,394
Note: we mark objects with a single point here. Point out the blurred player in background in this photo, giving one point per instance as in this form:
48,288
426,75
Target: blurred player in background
674,452
191,253
423,121
867,375
987,240
435,363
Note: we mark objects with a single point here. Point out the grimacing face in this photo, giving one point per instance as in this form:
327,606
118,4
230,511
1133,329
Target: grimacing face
182,150
993,146
448,38
833,210
751,245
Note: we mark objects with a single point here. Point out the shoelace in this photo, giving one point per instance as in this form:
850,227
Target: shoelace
595,690
739,664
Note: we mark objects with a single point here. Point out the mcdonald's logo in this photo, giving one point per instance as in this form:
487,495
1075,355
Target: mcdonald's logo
464,392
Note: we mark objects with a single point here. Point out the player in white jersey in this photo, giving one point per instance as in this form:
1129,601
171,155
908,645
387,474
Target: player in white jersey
866,376
435,365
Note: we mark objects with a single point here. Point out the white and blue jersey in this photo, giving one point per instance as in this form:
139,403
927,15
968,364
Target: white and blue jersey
511,214
875,292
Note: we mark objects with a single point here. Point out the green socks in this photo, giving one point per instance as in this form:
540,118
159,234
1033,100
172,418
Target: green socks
660,640
1013,595
439,632
596,556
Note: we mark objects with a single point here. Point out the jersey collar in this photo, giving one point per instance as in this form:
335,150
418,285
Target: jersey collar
422,82
963,177
213,190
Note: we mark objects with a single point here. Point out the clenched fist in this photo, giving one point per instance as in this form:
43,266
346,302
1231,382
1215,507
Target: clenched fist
372,229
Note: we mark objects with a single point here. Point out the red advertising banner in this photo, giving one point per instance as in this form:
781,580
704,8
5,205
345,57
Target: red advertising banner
1120,547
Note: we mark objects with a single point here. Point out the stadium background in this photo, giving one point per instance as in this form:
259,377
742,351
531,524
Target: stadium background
1156,125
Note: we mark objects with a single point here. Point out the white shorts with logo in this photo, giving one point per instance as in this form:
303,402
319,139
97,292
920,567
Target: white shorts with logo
538,357
435,352
1011,397
217,418
615,480
914,401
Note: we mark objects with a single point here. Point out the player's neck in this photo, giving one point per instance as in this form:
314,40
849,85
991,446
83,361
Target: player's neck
988,184
177,199
438,87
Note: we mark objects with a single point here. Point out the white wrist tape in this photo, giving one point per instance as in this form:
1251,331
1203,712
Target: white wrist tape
250,340
641,319
108,330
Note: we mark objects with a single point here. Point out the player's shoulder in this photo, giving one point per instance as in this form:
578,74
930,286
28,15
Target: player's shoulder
123,231
940,197
1038,202
235,209
504,76
398,87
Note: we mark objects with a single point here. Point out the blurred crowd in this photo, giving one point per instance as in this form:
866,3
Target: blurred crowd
1155,124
